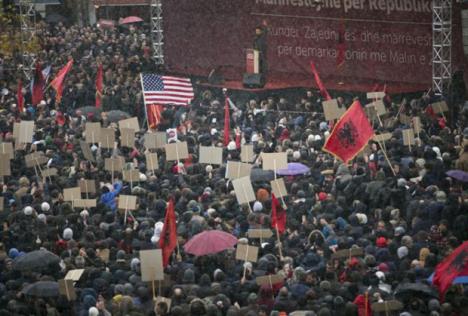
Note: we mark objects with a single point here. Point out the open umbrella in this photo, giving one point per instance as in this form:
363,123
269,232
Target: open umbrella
117,115
130,19
294,169
408,290
459,175
89,110
210,242
259,175
42,289
35,260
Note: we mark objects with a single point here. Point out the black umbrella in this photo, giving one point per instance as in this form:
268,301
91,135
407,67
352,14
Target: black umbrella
89,110
259,175
117,115
408,290
35,260
42,289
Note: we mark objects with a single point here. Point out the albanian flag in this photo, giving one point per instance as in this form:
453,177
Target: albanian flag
57,83
456,264
278,215
350,135
168,241
321,86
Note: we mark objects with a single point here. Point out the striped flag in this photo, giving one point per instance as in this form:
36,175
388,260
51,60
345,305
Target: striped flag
166,90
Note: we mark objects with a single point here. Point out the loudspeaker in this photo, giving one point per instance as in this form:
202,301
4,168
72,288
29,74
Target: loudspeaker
253,80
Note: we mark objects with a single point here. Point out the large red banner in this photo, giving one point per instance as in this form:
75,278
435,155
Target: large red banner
385,41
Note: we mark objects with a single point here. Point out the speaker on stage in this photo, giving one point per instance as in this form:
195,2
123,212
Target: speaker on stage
252,80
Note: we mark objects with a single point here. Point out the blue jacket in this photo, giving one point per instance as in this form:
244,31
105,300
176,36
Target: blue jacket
109,198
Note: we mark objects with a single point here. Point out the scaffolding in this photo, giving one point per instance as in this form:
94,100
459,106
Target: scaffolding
441,46
27,12
157,31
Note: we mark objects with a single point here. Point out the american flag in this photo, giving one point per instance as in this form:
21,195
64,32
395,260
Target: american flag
166,89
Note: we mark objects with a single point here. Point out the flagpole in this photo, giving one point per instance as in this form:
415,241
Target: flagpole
144,102
279,242
386,158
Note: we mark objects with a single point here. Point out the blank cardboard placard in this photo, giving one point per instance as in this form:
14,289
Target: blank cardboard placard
87,153
107,138
16,131
66,289
74,275
247,153
408,137
236,170
375,95
131,175
131,123
259,233
176,151
87,186
114,164
269,279
84,203
35,159
26,131
274,161
2,200
387,306
417,125
127,137
331,110
382,137
211,155
278,187
155,140
151,265
104,254
127,202
246,253
72,194
165,300
244,190
152,161
440,107
49,172
7,148
348,253
371,113
92,132
5,169
379,107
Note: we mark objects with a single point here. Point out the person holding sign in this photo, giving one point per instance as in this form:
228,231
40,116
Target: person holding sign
108,196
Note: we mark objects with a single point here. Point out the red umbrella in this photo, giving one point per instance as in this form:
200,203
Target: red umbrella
106,24
210,242
130,19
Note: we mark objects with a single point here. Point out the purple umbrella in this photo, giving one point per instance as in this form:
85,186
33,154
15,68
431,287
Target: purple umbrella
294,169
458,175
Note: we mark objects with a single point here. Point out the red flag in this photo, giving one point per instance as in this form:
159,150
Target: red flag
456,264
323,90
341,51
278,215
350,135
19,96
153,112
227,122
38,84
99,86
168,241
57,83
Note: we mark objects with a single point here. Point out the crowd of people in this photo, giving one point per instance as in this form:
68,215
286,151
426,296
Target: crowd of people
406,217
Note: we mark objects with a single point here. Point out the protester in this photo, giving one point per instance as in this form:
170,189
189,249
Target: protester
393,202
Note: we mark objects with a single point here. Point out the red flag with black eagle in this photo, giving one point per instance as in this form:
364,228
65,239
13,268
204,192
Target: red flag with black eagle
38,84
278,215
168,240
350,135
456,264
57,83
